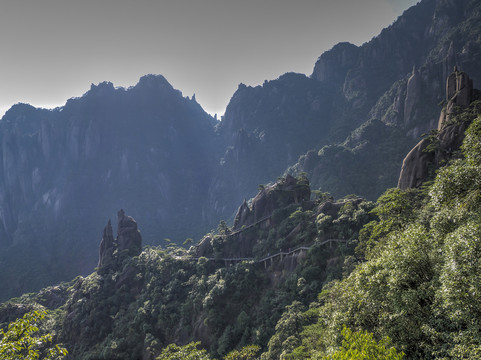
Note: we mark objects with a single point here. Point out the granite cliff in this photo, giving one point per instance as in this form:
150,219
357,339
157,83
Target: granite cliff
434,151
389,94
158,155
146,149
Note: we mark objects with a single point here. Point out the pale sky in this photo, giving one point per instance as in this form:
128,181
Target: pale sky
52,50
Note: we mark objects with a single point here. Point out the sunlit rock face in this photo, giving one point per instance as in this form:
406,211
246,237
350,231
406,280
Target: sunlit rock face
389,92
419,163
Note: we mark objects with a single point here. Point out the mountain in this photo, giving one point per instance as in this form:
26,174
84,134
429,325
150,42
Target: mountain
292,272
349,125
159,156
298,274
391,88
146,149
228,291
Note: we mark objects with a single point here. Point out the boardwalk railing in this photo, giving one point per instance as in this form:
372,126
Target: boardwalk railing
281,254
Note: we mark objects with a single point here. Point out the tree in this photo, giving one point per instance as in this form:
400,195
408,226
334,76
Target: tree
361,345
186,352
246,353
23,341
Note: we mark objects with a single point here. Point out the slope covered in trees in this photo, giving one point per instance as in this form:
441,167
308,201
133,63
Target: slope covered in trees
406,280
420,281
157,154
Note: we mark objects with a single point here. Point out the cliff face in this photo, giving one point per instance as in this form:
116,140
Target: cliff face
286,192
429,154
264,130
161,157
146,149
390,94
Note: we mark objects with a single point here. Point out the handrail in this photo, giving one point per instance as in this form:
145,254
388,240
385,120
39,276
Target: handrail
280,253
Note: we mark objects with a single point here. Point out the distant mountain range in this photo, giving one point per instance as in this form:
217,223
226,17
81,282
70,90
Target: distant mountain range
178,171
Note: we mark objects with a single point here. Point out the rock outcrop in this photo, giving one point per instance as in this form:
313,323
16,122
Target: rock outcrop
244,216
286,191
281,194
128,238
459,94
420,161
413,91
415,168
107,246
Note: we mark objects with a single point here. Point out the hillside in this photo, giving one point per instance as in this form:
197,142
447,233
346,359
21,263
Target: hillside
65,171
291,273
159,156
136,302
391,90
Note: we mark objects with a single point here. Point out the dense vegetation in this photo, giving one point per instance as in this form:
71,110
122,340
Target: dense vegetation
138,305
405,283
420,283
24,340
179,171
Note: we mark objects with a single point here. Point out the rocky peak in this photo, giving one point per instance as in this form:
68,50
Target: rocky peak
286,191
416,165
413,91
128,238
459,94
154,82
107,246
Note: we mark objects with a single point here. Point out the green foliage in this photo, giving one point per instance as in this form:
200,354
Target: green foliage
362,346
246,353
24,340
222,228
186,352
395,210
287,333
191,351
433,140
322,196
421,282
471,146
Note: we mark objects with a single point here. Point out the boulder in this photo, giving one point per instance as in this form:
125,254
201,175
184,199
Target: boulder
204,248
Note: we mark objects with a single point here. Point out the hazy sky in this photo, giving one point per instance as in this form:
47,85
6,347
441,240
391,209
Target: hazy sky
52,50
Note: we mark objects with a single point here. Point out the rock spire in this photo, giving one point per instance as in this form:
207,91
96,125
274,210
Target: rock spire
128,239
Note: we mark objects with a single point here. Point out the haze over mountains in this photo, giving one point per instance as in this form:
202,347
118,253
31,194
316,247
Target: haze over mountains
178,171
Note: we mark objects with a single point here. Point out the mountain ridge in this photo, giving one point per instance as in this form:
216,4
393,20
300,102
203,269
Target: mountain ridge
161,157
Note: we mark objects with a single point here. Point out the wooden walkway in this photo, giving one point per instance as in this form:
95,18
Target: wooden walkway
269,258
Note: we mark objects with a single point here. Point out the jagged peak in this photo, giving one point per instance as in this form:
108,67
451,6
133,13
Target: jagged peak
152,81
104,85
128,238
